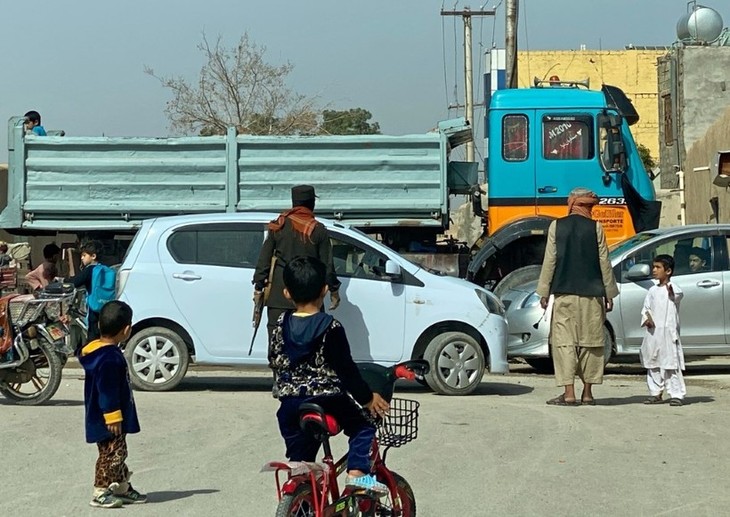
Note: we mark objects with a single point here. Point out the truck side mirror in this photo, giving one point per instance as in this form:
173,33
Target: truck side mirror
615,150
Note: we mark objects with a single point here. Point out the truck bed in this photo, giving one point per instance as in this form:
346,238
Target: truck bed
113,183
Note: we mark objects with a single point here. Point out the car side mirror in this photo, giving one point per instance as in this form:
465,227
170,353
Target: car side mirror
392,270
639,272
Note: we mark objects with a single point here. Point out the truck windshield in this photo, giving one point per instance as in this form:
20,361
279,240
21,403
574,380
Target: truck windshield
619,248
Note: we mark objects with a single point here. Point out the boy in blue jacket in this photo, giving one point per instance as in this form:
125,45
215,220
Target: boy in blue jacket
110,410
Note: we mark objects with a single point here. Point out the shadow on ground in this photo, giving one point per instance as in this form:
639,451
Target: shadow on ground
204,383
50,403
171,495
639,399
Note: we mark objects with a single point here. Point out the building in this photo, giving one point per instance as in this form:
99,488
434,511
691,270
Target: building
633,69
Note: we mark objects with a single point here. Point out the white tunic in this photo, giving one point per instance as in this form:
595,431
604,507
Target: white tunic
661,347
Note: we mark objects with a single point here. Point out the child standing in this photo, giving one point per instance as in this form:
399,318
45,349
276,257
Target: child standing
110,410
89,253
310,356
661,351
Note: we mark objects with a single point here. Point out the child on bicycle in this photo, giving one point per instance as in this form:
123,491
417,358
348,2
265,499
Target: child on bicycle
310,356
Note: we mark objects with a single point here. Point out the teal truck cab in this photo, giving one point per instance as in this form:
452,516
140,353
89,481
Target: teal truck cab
542,143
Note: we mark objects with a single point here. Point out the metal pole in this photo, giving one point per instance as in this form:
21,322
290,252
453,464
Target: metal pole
468,84
511,42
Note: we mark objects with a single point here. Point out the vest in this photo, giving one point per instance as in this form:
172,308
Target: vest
310,377
577,268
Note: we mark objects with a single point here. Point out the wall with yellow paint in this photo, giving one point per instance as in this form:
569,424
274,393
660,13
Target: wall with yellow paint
634,71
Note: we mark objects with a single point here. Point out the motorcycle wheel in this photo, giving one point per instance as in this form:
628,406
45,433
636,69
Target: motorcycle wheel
45,381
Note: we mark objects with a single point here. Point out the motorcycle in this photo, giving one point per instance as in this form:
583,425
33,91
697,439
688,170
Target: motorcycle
34,343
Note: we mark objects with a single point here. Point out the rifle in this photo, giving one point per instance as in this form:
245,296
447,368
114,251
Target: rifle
258,307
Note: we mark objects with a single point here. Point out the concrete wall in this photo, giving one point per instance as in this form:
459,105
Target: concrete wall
634,71
697,82
699,188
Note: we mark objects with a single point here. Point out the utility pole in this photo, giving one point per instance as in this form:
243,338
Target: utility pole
466,15
510,34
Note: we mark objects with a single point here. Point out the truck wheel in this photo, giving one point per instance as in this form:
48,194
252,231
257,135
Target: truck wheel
457,363
158,359
517,277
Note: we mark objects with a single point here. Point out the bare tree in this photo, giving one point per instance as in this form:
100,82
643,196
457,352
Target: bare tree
237,87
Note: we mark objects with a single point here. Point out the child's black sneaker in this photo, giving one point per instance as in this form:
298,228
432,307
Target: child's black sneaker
132,496
106,499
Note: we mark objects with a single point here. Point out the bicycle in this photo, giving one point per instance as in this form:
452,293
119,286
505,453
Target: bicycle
311,489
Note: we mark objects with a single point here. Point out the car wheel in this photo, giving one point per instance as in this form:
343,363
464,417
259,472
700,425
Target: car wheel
608,345
158,359
457,363
517,277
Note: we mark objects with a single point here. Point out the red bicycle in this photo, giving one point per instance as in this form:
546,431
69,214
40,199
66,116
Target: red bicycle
311,489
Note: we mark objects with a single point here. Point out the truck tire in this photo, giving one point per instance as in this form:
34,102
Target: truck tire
158,359
517,277
457,363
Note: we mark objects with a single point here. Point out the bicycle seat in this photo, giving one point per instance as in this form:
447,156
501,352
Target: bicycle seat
315,421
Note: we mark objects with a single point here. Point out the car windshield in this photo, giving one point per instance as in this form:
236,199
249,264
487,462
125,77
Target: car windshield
617,249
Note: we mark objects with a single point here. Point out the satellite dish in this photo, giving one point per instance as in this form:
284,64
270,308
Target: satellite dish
702,24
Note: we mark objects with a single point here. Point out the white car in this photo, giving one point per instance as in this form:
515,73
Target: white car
188,280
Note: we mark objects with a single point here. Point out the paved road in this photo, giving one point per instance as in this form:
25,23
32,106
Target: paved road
499,452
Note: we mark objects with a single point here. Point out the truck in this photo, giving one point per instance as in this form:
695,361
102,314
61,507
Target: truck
542,142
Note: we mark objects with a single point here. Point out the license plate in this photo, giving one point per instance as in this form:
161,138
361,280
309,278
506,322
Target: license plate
56,331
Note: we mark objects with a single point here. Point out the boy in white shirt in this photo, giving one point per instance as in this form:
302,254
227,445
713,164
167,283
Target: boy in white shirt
661,351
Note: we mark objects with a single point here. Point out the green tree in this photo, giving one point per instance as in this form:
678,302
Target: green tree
646,158
354,121
237,87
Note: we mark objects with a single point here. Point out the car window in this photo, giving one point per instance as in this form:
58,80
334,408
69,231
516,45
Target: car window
692,255
220,244
351,259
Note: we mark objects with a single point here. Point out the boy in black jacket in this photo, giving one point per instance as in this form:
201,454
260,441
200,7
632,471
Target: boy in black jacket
110,410
311,358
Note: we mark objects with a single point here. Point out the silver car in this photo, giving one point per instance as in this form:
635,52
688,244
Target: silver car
702,270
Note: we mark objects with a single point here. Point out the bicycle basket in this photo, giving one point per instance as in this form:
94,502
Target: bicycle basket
400,425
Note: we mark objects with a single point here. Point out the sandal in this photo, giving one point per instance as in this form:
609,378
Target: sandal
560,401
656,399
675,402
587,402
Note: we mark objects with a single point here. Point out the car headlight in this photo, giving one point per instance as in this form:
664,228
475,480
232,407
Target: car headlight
531,301
490,301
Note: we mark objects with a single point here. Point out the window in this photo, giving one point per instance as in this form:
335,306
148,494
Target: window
217,244
691,255
515,138
567,138
356,261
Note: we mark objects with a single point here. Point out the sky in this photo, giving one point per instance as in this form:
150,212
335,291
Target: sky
81,63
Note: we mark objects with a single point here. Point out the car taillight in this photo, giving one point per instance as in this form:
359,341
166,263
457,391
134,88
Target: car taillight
122,276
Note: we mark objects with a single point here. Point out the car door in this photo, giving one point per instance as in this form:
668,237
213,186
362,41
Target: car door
373,306
208,268
702,313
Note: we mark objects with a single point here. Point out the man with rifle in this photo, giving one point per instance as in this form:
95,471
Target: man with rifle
295,233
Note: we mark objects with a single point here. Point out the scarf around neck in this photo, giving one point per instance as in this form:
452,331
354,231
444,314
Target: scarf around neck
301,218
